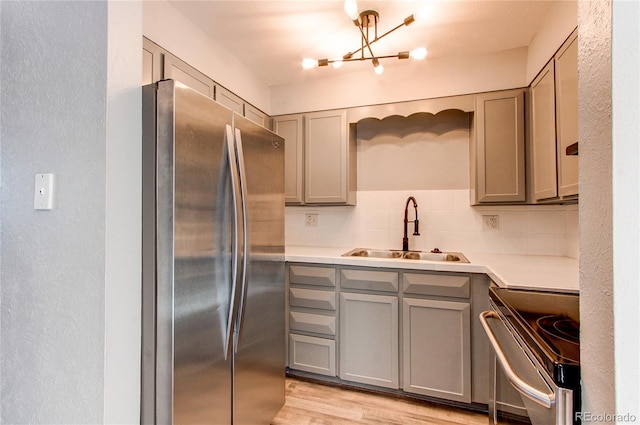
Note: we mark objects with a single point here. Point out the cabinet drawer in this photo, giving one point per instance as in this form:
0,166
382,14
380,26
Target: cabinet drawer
369,279
310,275
311,354
312,298
309,322
436,284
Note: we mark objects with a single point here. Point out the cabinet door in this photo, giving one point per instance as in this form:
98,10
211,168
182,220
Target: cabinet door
369,339
255,115
567,115
290,127
326,158
543,134
178,70
311,354
500,146
230,100
436,343
151,62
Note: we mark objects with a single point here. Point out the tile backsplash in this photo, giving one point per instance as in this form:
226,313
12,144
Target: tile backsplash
447,221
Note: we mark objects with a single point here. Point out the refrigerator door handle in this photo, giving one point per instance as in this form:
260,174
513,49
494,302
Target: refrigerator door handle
245,242
235,189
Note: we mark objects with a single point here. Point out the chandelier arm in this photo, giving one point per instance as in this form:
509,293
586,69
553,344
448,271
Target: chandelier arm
376,39
366,41
362,58
387,33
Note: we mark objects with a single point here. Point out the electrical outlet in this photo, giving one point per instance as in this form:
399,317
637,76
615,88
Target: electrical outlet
490,222
311,220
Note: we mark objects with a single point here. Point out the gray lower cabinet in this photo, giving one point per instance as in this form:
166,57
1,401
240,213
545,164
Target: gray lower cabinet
417,331
436,345
311,319
369,339
312,354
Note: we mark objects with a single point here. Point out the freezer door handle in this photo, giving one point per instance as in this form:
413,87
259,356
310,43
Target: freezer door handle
235,196
245,242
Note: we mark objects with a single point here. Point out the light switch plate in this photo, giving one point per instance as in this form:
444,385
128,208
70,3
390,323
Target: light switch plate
43,195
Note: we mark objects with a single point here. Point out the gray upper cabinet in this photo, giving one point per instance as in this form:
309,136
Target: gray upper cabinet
320,158
329,159
151,62
543,135
554,126
230,100
290,127
158,64
256,115
497,154
179,70
566,64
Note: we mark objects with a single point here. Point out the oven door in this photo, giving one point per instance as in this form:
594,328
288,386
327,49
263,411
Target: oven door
546,403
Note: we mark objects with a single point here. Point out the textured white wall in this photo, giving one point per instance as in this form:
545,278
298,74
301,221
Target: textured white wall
626,203
70,277
596,265
54,74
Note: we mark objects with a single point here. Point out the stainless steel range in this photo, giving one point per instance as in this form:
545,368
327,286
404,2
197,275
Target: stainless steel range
535,340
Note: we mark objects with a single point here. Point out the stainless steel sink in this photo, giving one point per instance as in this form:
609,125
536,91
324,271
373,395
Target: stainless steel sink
407,255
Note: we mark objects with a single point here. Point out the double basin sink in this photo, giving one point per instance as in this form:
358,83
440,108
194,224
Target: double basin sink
435,255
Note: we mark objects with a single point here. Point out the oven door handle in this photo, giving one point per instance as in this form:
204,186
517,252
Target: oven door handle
543,399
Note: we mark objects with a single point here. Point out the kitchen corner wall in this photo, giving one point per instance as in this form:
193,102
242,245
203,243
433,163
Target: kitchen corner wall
447,221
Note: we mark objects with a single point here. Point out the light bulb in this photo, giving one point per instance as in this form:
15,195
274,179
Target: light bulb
308,63
351,9
423,13
419,53
377,67
337,64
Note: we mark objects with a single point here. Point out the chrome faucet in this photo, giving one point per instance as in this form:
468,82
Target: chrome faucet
405,239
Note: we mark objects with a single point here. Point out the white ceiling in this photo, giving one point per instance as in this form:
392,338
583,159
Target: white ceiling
272,37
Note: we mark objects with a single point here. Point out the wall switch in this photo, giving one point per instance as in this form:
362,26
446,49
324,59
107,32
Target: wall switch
311,220
490,222
43,196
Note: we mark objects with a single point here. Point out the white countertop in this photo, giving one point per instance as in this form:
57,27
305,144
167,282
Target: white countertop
540,272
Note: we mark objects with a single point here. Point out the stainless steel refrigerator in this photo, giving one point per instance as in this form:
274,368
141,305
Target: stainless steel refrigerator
213,263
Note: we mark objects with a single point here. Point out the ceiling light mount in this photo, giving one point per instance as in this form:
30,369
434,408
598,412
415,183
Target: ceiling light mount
367,23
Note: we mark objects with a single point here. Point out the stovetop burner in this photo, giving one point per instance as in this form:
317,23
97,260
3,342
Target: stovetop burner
562,335
560,327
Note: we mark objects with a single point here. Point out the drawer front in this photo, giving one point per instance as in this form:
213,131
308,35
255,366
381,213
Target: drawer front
310,275
311,354
311,298
436,284
309,322
369,280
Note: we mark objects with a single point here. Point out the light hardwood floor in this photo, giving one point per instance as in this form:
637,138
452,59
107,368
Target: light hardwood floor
315,404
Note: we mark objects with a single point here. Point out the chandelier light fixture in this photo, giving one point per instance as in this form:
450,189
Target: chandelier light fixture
367,24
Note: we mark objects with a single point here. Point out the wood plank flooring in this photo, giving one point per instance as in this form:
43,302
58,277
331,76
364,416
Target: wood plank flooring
315,404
